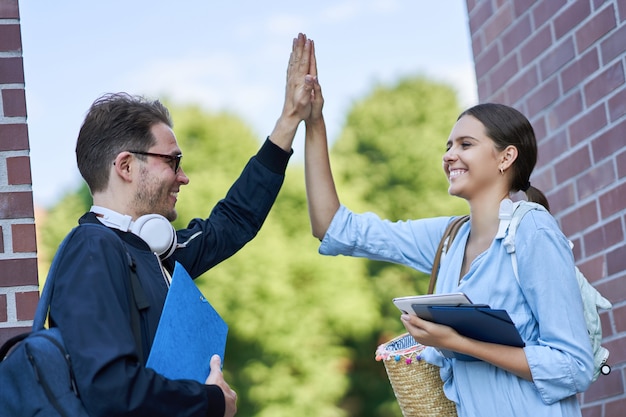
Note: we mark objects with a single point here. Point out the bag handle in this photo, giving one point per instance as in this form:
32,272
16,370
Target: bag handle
446,240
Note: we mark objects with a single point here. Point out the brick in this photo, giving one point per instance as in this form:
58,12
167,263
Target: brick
9,9
484,89
609,142
14,272
615,407
562,198
621,7
11,70
503,72
524,82
587,125
487,60
546,10
544,180
600,24
14,101
479,15
603,84
572,165
9,332
614,46
10,38
516,34
543,97
607,235
478,46
620,161
498,23
617,105
520,7
569,108
539,126
571,17
556,57
616,260
606,386
535,46
470,4
13,137
16,205
18,170
579,70
579,219
612,201
26,304
3,308
596,179
593,268
24,238
613,289
589,411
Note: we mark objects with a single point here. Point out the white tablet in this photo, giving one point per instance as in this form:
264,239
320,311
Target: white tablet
405,304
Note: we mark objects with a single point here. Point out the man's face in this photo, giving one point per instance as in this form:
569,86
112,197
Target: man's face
159,183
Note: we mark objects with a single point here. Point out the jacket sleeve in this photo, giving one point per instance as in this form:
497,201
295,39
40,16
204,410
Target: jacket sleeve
238,217
90,307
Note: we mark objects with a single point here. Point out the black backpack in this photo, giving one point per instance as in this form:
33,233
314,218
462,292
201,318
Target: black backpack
36,376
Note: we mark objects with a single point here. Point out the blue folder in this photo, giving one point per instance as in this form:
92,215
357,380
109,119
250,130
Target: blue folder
190,332
476,321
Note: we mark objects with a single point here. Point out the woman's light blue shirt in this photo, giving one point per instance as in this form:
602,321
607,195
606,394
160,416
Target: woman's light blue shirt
545,306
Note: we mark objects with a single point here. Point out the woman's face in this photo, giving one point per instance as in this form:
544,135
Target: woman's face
471,161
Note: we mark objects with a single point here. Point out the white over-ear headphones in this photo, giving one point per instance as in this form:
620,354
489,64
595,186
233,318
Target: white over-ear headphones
154,229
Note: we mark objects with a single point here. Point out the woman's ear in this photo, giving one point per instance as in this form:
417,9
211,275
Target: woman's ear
122,166
507,157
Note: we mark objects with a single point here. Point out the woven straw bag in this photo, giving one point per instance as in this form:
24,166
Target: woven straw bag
416,383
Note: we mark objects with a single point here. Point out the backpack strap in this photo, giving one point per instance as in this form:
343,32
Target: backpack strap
446,240
136,297
511,215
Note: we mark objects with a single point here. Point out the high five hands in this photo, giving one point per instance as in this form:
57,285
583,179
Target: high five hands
303,99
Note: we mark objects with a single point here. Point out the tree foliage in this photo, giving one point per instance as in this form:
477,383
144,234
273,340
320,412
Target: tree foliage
304,328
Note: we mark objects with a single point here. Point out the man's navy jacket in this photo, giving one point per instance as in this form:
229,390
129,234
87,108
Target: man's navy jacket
91,308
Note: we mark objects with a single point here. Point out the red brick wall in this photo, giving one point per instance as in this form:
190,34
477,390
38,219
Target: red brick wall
562,63
19,290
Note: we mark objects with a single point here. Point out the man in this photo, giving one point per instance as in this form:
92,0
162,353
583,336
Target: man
129,157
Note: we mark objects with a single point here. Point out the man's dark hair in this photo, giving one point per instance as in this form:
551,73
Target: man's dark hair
115,123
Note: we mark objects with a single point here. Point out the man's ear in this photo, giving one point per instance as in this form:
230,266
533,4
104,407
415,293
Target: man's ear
508,156
123,165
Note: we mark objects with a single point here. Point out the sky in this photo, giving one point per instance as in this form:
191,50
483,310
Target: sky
222,55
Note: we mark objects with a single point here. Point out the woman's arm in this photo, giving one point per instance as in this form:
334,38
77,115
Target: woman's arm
509,358
320,187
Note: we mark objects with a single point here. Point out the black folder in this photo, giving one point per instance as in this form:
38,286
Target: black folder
475,321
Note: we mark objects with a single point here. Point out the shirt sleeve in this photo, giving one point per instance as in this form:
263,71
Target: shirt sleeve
90,307
561,360
235,219
412,242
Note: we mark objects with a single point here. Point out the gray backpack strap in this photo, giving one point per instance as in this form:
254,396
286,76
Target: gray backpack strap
510,217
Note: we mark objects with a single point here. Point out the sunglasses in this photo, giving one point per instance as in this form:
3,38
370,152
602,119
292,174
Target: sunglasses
173,160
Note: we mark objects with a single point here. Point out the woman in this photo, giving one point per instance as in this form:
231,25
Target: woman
490,153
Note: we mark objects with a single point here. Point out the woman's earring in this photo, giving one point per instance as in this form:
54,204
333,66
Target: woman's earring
501,171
